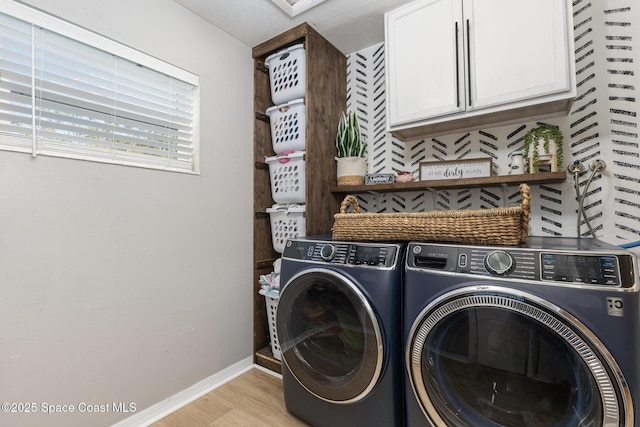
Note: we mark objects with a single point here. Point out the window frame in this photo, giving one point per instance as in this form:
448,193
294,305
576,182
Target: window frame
90,38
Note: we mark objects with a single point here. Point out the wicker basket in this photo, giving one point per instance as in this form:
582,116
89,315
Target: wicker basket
500,226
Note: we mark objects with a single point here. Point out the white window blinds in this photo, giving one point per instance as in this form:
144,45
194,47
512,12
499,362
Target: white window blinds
63,97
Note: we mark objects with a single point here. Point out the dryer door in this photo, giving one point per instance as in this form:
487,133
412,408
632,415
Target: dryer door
493,356
329,336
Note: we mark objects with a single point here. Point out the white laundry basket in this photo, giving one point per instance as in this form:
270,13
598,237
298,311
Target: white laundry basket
287,222
271,298
287,74
287,174
288,126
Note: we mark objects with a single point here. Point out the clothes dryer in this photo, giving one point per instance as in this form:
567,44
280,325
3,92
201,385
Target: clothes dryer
339,328
544,334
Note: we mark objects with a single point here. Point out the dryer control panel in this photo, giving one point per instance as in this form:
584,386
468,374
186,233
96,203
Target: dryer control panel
378,255
582,266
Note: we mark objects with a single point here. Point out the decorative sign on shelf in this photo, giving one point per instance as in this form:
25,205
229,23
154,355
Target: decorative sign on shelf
456,169
379,178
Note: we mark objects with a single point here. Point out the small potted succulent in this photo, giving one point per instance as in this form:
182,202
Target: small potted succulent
352,165
543,145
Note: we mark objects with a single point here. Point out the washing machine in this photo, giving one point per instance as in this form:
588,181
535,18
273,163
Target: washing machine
542,334
339,327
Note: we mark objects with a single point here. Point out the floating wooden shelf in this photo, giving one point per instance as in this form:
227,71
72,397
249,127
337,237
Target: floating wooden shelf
529,178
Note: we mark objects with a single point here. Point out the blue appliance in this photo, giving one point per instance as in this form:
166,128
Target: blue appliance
340,332
543,334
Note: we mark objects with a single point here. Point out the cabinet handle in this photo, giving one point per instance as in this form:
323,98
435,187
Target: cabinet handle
457,69
469,61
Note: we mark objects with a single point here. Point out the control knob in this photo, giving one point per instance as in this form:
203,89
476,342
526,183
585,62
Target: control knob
327,252
499,263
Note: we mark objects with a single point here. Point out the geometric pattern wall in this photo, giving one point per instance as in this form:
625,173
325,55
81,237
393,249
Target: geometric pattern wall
602,124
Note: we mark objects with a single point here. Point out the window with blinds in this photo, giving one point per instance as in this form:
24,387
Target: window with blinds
92,99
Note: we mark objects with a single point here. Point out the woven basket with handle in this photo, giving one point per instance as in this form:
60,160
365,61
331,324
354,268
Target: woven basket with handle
500,226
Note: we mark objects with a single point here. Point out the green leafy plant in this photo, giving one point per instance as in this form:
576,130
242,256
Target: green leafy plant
349,137
546,133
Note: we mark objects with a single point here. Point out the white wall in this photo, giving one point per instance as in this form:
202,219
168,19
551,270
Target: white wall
120,284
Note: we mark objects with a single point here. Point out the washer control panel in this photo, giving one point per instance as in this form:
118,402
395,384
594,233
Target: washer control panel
589,269
579,267
343,253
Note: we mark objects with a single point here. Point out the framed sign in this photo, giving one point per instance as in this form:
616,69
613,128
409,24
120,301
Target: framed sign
456,169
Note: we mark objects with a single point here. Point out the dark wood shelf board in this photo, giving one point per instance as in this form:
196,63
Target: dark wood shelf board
264,357
532,179
261,165
291,37
262,117
265,263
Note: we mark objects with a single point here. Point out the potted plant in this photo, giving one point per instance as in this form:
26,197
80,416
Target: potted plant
543,146
352,165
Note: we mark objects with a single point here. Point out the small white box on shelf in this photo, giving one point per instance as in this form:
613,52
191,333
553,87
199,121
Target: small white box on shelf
288,126
287,222
287,174
287,74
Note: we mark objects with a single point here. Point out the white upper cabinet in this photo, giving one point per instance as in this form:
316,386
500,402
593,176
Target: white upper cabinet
424,61
455,65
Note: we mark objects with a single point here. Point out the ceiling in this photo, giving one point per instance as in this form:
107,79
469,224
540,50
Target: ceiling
350,25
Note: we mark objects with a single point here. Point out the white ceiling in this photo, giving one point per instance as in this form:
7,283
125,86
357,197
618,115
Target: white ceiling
350,25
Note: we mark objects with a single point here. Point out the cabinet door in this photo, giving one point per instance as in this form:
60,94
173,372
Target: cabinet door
424,60
517,50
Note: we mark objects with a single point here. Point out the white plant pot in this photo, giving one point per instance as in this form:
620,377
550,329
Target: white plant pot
351,170
543,157
540,148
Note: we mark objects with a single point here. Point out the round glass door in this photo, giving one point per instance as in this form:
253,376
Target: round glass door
329,336
497,357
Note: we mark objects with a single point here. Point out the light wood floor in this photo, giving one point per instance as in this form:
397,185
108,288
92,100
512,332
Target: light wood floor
252,399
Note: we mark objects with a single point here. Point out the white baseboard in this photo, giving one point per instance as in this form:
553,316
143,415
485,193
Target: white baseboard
161,409
268,371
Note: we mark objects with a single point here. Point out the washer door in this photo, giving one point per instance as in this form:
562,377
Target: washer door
329,336
492,356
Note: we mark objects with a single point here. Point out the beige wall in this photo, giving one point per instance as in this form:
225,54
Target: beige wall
121,284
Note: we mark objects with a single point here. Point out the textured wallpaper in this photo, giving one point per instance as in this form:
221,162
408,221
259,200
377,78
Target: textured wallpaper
602,124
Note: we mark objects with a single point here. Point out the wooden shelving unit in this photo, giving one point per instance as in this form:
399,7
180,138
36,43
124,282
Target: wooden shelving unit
532,179
324,101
